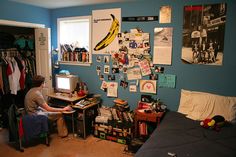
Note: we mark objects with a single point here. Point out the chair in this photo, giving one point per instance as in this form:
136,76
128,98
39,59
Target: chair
26,127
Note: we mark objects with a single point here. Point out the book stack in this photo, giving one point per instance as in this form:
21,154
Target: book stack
121,105
120,111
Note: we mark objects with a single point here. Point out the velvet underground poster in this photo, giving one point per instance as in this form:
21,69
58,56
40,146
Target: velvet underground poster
106,25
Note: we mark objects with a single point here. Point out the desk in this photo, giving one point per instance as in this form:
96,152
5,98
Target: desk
146,117
68,100
82,125
66,97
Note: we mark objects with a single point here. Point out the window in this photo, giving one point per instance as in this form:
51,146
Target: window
74,40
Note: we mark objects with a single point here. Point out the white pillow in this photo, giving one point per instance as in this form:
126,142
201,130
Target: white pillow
185,105
201,105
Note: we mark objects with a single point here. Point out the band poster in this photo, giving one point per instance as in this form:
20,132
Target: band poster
203,34
106,25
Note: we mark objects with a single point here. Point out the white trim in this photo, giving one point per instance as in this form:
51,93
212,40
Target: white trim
21,24
74,63
89,17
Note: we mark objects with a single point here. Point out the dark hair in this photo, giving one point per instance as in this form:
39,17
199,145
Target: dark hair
37,80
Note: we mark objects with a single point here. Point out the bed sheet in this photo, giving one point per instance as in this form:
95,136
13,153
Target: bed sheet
186,138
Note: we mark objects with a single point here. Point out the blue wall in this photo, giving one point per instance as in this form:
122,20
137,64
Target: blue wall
24,13
214,79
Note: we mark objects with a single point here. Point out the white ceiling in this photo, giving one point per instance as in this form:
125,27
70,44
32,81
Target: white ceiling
52,4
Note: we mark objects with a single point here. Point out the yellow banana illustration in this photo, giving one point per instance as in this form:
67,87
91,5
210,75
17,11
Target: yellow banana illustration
110,35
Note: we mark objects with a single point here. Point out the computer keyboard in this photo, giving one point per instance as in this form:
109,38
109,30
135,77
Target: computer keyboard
83,103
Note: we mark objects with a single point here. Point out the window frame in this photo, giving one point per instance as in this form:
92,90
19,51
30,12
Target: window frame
59,20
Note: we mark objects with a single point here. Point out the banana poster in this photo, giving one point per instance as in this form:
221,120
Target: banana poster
106,26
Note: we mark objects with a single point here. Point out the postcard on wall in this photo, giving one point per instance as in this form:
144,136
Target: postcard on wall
145,67
103,85
165,14
112,89
163,45
106,25
134,74
148,86
132,88
166,80
203,34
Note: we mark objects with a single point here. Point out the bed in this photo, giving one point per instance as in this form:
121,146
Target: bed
180,134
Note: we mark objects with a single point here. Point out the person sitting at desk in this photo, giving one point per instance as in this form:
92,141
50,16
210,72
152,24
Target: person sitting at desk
35,104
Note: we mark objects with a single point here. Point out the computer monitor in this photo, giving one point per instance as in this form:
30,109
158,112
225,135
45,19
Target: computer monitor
66,83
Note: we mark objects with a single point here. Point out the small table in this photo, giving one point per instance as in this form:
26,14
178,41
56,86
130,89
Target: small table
147,117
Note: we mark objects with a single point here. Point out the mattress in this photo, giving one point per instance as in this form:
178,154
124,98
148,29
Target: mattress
186,138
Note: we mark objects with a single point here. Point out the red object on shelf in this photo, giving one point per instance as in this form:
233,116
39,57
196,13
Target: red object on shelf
81,93
142,105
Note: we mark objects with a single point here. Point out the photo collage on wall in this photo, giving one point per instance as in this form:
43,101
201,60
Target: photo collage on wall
129,64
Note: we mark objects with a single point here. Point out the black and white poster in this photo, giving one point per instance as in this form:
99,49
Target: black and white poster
203,34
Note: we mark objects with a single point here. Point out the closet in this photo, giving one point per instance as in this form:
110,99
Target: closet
24,52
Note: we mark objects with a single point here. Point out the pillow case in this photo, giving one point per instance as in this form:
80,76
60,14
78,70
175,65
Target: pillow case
201,105
185,105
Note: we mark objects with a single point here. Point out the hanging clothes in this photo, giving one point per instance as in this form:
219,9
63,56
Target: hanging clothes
1,81
14,76
5,81
21,65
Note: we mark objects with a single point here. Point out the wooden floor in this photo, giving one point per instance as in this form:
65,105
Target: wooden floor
64,147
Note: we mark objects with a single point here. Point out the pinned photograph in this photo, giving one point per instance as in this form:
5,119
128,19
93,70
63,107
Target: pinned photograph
103,85
106,69
101,77
159,69
99,59
124,84
115,70
113,77
106,59
98,68
109,77
153,76
124,70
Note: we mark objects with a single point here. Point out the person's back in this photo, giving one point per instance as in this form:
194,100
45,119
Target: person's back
35,104
33,99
